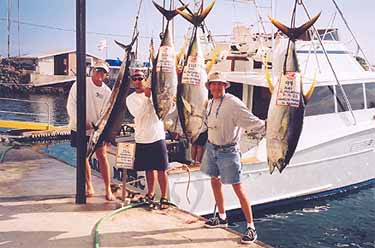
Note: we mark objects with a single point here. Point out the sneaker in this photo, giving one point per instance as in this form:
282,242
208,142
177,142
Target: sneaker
216,222
249,236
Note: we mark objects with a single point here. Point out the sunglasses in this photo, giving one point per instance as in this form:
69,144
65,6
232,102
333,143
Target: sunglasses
137,78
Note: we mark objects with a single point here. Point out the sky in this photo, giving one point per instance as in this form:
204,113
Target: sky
48,25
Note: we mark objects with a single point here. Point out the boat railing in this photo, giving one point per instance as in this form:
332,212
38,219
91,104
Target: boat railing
47,112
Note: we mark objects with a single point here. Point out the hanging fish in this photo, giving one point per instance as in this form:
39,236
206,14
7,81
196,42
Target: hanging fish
109,124
287,106
192,94
164,74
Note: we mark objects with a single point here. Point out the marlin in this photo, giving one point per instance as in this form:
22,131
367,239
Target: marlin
288,102
164,73
109,124
192,95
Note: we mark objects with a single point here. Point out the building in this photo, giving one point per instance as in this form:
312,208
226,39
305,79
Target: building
53,68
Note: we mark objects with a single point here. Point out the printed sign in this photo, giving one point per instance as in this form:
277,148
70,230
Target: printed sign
166,59
125,155
289,91
193,71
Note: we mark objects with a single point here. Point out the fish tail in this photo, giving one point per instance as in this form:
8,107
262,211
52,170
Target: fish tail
127,47
169,14
294,33
197,19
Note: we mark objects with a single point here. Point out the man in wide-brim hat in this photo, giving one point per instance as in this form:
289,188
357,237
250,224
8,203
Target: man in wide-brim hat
226,117
217,77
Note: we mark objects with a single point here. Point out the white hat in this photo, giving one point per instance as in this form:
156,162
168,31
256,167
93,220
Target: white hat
137,71
102,65
217,76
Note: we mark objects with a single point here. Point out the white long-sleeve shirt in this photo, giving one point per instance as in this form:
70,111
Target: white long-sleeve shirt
148,127
96,101
227,117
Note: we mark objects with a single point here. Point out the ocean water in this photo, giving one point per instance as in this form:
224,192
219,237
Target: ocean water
345,220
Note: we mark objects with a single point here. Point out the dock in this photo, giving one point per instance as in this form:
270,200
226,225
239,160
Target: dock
37,209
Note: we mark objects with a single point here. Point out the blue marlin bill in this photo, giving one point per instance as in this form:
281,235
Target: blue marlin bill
109,124
287,106
192,95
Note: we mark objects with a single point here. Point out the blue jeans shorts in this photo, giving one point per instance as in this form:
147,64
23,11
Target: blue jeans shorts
222,162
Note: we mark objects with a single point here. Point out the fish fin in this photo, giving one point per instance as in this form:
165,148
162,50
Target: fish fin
127,47
197,19
181,53
268,75
95,127
310,92
294,33
169,14
186,105
215,54
151,49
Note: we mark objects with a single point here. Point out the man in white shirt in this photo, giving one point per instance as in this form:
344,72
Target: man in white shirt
97,95
151,151
226,116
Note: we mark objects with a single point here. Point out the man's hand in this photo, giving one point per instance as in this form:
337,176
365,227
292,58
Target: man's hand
147,92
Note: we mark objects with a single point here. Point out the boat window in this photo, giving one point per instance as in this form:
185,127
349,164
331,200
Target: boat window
257,65
354,92
235,89
321,102
370,95
261,102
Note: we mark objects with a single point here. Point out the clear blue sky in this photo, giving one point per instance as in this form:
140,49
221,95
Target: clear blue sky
117,17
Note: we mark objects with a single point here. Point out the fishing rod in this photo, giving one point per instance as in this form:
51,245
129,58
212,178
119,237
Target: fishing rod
135,29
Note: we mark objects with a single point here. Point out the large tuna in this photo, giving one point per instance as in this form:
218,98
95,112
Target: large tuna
287,106
192,94
109,124
164,74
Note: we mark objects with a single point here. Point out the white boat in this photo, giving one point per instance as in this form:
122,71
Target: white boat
336,149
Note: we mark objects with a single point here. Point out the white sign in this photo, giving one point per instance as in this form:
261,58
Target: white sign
289,91
125,155
166,59
193,71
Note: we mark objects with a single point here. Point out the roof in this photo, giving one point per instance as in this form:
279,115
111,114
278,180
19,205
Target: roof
54,53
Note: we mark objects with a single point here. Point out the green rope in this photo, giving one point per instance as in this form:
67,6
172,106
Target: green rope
108,216
4,153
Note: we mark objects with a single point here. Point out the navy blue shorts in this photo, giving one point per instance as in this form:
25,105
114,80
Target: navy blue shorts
202,139
153,156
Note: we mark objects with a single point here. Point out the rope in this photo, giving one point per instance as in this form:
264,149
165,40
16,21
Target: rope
292,25
355,39
189,180
135,29
330,65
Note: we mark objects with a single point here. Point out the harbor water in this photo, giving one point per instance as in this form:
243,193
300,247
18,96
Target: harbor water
344,220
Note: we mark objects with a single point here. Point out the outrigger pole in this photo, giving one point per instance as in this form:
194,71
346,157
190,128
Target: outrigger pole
81,101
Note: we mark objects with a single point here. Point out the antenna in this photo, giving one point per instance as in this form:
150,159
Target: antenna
8,22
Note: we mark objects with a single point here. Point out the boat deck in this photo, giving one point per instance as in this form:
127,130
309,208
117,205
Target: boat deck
37,210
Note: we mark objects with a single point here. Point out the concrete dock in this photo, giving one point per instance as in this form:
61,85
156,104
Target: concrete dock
37,209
